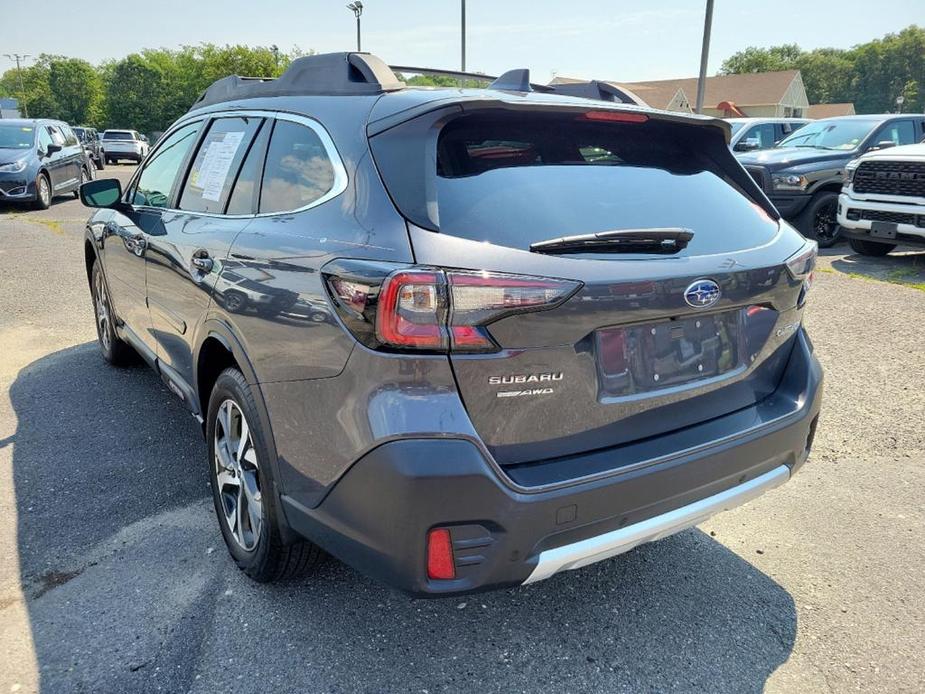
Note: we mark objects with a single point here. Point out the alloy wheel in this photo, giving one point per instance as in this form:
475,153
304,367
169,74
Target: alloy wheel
44,191
238,475
825,224
103,314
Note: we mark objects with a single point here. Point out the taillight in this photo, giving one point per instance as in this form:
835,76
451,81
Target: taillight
412,311
614,116
434,310
801,265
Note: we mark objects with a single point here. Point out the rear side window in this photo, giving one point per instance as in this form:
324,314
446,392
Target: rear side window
220,154
514,179
163,168
244,195
298,170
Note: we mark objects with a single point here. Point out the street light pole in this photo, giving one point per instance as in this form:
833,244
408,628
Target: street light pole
357,9
704,54
463,34
22,89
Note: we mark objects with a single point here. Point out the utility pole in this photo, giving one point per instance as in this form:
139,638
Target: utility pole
274,49
357,9
704,54
463,36
22,89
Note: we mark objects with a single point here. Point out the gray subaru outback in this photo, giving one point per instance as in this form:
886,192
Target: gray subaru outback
458,338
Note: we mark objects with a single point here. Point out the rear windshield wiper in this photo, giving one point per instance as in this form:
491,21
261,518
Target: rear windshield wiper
666,241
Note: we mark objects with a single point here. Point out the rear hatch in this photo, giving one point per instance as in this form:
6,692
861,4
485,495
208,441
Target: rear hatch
656,335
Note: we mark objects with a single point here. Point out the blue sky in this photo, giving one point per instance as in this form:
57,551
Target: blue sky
617,40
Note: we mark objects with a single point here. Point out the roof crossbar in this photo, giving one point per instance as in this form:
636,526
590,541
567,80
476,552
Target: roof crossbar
327,74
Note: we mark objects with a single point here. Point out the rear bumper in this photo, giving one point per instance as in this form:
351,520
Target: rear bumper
377,516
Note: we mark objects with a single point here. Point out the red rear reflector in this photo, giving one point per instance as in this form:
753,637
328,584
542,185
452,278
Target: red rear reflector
615,116
440,564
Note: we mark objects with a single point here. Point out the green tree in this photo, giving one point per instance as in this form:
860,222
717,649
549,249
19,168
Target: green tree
135,95
754,59
77,89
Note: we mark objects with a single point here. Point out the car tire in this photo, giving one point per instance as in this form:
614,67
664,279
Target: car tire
234,302
871,248
84,177
43,194
100,163
113,349
242,482
819,220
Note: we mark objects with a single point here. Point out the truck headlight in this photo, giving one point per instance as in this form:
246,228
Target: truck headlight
14,167
848,175
789,182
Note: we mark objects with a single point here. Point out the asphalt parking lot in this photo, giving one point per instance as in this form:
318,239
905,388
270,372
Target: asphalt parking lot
114,577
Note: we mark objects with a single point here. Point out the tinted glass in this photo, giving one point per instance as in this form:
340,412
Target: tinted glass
763,134
216,164
297,171
16,136
831,134
244,196
56,135
580,178
163,168
117,135
69,138
899,133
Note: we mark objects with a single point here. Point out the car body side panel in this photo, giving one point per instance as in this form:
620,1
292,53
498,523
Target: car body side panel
271,289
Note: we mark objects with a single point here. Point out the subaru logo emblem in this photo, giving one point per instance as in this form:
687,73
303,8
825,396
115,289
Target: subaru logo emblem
702,293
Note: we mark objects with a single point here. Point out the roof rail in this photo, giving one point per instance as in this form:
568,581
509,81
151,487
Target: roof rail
434,72
595,89
325,74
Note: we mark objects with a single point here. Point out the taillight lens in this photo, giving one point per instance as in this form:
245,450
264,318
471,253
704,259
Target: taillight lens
434,310
801,265
412,311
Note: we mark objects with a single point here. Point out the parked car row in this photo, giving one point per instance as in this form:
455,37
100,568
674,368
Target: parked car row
803,176
42,158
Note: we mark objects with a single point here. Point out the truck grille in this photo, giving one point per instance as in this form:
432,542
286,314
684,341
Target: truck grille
882,216
760,174
890,178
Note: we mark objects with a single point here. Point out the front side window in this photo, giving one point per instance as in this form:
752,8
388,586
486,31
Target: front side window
216,164
900,132
56,136
298,170
163,167
762,134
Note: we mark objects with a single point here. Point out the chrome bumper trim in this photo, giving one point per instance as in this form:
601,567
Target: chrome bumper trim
595,549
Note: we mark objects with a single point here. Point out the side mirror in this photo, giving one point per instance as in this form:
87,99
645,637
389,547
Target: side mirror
885,144
747,145
103,192
51,149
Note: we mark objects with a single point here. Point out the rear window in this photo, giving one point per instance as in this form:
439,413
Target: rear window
117,135
515,179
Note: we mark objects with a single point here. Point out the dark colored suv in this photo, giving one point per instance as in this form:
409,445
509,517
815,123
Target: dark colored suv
803,174
90,139
40,159
460,339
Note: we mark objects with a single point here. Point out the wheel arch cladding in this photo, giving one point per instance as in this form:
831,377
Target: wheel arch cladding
89,259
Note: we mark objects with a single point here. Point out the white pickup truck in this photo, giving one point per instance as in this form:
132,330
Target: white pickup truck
882,202
124,144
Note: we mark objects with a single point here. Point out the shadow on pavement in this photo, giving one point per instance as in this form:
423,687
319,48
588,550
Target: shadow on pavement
905,265
129,587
